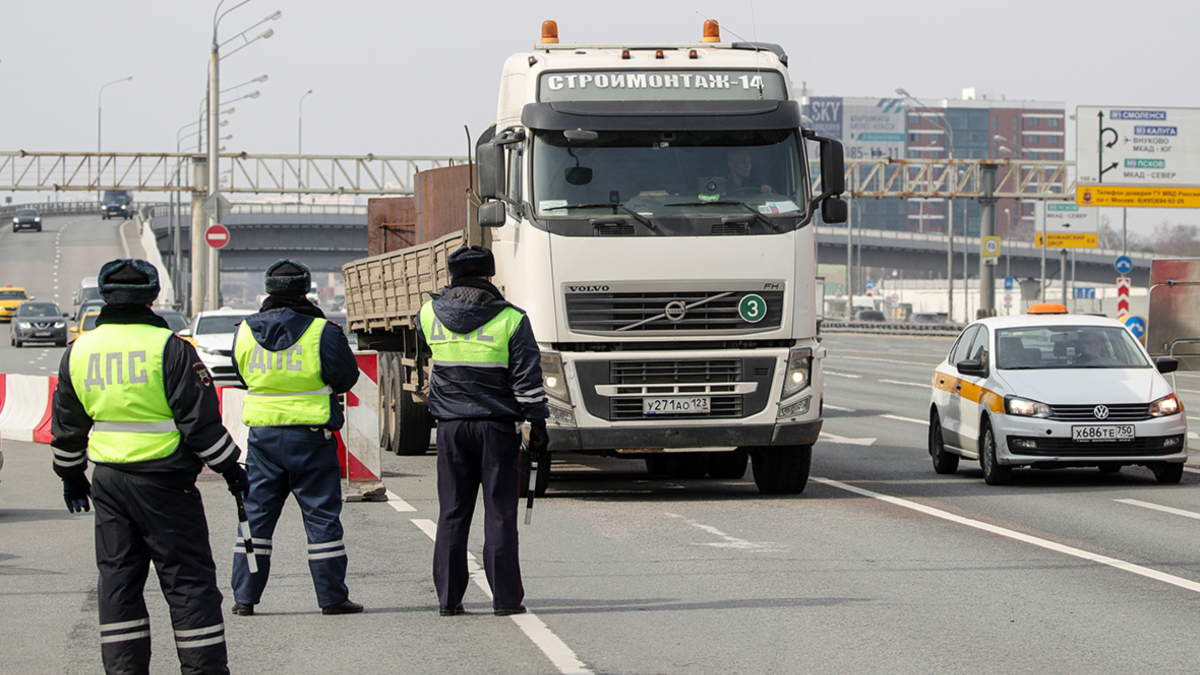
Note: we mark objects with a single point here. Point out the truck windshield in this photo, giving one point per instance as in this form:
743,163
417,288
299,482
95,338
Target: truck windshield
116,197
682,183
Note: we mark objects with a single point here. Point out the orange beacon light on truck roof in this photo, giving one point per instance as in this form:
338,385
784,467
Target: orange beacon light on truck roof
712,31
549,32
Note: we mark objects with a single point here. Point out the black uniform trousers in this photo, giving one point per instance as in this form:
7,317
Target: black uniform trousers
471,453
144,517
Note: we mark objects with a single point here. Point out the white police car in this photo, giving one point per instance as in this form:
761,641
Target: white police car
1049,390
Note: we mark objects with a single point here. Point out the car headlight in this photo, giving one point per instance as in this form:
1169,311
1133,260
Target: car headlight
1025,408
16,220
24,324
59,324
799,369
1167,405
211,350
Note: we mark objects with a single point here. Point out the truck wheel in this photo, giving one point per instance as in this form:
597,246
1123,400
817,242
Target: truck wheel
386,411
782,470
728,465
993,472
414,424
1167,473
944,462
687,465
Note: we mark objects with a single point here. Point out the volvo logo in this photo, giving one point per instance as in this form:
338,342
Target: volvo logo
1101,412
588,289
675,311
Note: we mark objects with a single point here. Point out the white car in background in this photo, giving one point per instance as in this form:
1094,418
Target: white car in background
212,333
1049,390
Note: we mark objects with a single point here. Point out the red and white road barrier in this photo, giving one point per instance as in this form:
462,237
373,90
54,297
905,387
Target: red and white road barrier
358,441
25,407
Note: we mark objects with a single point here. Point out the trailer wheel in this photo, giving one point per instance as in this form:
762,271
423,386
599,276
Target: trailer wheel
781,470
386,413
414,424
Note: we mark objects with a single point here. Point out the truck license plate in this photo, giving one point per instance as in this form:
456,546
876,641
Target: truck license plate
1102,432
676,405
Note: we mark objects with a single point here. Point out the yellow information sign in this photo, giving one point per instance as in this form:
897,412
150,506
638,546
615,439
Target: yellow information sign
1112,195
1069,240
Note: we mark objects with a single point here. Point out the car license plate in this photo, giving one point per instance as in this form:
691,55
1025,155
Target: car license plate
1102,432
42,333
676,405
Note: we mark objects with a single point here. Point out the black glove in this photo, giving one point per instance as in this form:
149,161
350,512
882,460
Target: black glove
539,440
76,491
239,482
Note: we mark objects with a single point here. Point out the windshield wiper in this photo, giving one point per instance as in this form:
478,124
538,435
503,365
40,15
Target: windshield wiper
733,202
612,205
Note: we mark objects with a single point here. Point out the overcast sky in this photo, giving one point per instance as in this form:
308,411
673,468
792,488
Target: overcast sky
404,77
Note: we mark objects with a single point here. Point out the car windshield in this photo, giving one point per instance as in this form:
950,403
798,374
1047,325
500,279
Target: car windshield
670,183
89,321
216,325
42,309
26,212
175,321
115,197
1051,347
13,295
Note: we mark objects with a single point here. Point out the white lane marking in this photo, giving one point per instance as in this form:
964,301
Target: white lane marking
397,503
833,438
1019,536
1157,507
730,540
1189,391
906,419
838,407
868,358
906,384
830,372
534,628
1193,436
1193,419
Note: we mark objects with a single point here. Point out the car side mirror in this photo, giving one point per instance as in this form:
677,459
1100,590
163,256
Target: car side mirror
1166,364
971,367
186,332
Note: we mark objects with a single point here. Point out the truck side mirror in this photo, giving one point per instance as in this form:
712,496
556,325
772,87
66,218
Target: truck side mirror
834,210
489,159
833,167
492,214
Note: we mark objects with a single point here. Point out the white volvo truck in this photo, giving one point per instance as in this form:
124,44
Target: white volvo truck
650,207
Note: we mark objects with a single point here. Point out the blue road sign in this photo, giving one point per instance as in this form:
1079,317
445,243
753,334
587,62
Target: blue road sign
1123,264
1085,293
1136,325
870,284
1008,283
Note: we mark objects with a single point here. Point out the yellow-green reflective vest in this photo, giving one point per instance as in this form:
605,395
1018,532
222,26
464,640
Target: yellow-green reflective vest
117,373
487,344
285,386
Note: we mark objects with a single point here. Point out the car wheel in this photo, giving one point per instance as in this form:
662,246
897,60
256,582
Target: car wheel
15,228
944,461
39,228
17,343
1167,473
728,465
993,472
782,469
1109,467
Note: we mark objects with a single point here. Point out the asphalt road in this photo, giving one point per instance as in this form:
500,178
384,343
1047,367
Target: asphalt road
49,265
880,566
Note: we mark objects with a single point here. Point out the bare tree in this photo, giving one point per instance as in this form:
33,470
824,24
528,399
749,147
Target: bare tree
1177,240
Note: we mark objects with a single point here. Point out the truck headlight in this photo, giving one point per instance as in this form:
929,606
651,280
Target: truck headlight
554,378
1167,405
798,372
1025,408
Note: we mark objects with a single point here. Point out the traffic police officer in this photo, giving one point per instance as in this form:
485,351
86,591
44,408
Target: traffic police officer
486,378
154,418
294,364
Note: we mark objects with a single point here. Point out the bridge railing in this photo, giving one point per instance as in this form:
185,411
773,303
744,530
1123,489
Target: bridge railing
888,328
52,208
163,211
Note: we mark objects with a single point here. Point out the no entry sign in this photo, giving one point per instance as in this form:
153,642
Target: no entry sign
216,236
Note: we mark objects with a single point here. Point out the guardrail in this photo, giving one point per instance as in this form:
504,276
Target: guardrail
52,208
885,328
163,211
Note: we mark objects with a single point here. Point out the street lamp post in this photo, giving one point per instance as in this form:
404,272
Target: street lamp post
949,211
300,139
99,119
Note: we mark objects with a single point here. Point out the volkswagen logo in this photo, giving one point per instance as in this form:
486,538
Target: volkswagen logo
676,310
1101,412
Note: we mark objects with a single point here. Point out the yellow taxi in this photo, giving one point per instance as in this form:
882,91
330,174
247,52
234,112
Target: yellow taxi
86,322
10,297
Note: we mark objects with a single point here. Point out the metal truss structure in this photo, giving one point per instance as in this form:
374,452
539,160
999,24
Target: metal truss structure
165,172
958,178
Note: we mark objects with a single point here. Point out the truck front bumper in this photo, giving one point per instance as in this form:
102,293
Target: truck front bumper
633,438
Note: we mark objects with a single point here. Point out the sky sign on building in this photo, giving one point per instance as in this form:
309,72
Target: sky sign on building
1132,156
869,128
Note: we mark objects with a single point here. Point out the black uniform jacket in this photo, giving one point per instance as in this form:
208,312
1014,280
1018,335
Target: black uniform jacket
190,393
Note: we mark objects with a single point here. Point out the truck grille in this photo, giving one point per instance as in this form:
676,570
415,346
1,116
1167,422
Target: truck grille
646,312
1117,412
675,372
719,379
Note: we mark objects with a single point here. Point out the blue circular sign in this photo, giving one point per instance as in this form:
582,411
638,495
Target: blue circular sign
1136,325
1123,264
870,284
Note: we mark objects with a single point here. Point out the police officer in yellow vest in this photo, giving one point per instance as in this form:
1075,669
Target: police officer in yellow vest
154,419
486,378
294,364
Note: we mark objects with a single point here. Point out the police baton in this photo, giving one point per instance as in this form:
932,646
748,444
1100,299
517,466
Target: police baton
244,531
533,469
